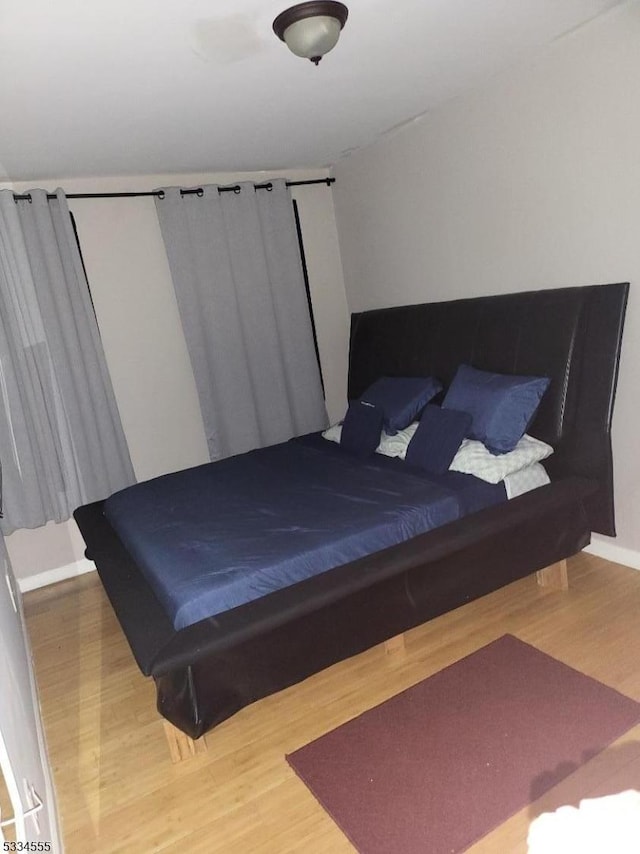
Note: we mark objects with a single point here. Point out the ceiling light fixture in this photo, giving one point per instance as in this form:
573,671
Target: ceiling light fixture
311,29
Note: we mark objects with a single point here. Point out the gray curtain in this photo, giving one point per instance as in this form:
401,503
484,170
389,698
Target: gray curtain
61,440
237,274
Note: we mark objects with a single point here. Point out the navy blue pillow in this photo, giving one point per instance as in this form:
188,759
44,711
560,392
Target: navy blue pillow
437,439
502,406
361,429
401,399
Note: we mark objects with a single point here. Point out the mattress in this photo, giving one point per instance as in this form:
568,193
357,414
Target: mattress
217,536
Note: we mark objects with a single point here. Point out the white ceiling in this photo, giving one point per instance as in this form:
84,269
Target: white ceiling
121,87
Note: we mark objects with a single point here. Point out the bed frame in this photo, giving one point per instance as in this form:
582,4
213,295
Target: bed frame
206,672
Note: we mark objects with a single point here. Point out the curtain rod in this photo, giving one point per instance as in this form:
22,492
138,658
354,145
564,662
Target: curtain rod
235,188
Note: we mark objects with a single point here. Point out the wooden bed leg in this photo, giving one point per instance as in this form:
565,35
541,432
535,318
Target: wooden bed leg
180,745
395,646
554,577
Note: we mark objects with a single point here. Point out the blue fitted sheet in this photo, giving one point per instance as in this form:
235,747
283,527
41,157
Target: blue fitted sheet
214,537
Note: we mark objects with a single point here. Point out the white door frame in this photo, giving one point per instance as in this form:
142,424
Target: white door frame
24,762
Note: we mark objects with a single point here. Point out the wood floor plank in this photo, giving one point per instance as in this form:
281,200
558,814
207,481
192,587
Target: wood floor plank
119,792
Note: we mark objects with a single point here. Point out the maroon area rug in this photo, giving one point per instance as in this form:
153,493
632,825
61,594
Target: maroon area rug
435,768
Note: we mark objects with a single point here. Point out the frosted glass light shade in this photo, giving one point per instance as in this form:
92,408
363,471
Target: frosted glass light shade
312,36
311,29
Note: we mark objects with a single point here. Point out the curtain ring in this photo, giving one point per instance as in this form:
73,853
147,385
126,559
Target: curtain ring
268,187
237,190
160,194
199,192
29,199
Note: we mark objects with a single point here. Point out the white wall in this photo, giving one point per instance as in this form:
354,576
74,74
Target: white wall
532,181
144,345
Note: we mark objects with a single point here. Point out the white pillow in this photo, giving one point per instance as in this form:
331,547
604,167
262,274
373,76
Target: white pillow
333,433
396,445
525,480
474,458
390,446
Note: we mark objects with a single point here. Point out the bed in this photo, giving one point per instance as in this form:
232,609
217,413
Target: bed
206,668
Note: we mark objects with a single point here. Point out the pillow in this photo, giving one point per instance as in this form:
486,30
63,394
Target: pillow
401,399
438,437
333,433
390,446
397,444
501,405
525,480
360,434
474,458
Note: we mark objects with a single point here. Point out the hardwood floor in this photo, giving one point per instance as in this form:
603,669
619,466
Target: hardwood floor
119,792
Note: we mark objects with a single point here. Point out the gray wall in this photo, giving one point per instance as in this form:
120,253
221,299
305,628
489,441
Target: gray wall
532,181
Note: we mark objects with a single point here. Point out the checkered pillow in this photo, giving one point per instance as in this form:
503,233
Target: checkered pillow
525,480
474,458
390,446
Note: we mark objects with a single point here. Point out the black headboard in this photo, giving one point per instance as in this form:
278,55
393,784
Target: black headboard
572,335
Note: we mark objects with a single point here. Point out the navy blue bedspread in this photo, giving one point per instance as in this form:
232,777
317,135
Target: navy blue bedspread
219,535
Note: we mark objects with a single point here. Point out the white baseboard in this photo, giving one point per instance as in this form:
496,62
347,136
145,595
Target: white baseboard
614,553
51,576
